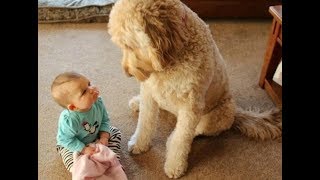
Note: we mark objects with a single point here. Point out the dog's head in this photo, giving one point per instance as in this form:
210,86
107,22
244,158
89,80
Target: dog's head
149,32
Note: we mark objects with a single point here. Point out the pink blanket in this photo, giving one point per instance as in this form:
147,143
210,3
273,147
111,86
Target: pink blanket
103,165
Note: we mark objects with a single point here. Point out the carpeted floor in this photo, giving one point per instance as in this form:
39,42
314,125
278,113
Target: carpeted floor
87,48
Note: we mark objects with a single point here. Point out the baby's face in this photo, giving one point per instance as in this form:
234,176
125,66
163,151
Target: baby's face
83,94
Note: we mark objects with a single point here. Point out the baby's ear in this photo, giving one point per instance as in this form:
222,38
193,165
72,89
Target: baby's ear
71,107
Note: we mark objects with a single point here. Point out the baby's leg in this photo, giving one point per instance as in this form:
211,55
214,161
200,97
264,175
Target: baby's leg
67,157
115,140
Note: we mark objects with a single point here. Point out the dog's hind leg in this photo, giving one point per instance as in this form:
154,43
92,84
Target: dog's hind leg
219,119
148,115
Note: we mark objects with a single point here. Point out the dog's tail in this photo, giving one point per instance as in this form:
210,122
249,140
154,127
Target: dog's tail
259,125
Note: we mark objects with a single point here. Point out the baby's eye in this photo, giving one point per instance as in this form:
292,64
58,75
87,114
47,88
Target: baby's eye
84,92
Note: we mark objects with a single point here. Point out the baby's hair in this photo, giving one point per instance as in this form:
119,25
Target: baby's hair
61,97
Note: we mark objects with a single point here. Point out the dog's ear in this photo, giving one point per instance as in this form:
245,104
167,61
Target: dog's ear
165,27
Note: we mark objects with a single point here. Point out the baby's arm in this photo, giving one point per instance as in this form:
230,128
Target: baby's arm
104,130
67,131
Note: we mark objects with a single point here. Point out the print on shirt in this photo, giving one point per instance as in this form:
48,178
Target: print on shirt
88,127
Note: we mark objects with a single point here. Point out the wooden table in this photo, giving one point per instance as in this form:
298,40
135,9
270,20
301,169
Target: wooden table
273,57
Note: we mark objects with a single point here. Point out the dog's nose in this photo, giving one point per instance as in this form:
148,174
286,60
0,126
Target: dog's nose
126,70
128,74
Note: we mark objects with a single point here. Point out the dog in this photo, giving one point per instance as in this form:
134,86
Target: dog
172,53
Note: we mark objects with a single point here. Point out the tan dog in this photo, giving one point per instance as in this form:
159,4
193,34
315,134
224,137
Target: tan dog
170,50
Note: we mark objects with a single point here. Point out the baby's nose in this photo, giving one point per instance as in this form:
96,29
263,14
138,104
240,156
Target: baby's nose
93,90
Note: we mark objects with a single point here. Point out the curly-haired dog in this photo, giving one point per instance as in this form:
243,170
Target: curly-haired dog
170,50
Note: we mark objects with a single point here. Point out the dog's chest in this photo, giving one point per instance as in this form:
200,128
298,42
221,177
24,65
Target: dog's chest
166,101
169,95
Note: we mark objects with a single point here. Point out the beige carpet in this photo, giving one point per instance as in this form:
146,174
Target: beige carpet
87,48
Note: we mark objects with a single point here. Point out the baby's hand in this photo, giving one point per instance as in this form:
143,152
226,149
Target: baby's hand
103,140
88,150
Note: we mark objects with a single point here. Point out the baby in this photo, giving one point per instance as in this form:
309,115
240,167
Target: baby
84,119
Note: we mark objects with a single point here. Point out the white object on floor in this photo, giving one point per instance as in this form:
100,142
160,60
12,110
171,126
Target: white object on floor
277,77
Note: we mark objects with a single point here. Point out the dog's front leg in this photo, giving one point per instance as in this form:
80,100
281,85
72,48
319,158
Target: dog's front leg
179,143
148,115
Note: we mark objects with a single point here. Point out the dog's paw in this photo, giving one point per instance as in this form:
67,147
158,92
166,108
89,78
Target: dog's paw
174,168
136,148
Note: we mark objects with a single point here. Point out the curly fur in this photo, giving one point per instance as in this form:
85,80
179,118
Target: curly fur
170,50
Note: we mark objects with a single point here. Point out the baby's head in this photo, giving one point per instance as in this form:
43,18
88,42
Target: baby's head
73,91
